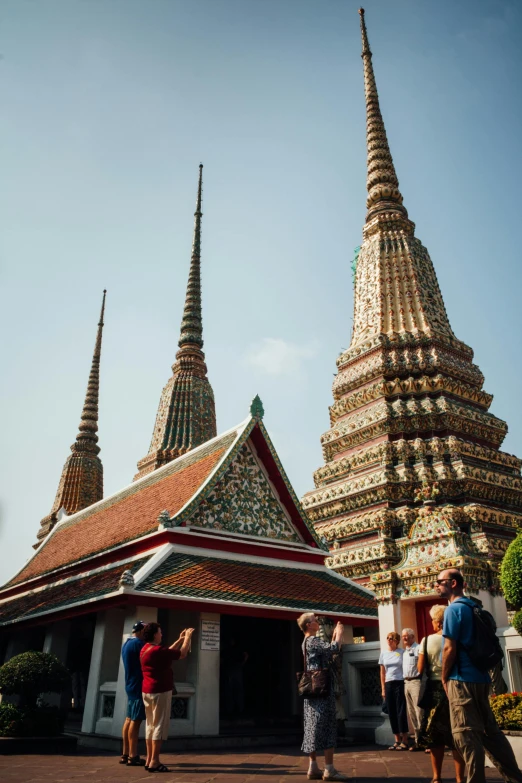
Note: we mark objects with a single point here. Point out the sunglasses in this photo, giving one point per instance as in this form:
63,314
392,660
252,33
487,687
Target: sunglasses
441,581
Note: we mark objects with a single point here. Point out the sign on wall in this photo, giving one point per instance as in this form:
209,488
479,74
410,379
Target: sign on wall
209,635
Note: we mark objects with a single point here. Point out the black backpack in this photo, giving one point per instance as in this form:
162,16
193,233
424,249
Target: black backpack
485,652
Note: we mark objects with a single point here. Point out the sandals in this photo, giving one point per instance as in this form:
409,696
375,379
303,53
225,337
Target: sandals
124,759
136,761
397,746
161,768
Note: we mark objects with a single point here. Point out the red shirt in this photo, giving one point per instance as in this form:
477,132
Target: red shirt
156,667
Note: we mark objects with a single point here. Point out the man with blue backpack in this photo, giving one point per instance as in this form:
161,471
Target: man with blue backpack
471,649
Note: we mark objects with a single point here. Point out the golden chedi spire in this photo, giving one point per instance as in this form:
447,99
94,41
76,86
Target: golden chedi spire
81,482
410,417
186,414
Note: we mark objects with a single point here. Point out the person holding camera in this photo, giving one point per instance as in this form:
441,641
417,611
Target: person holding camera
158,685
320,723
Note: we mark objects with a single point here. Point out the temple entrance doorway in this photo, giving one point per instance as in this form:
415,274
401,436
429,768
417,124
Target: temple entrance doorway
258,660
422,612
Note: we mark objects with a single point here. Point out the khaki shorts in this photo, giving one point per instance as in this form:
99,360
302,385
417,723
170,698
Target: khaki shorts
157,714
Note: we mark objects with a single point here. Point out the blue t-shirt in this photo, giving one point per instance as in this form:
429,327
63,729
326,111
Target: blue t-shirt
131,662
459,626
392,662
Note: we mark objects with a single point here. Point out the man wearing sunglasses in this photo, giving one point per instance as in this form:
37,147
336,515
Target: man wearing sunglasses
473,724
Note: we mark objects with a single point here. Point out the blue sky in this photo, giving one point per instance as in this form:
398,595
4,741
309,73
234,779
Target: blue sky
108,107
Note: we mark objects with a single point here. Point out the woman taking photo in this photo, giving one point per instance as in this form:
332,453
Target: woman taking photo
158,684
435,731
392,685
320,723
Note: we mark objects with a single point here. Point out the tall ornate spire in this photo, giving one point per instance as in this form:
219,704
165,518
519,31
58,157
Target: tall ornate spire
186,414
192,324
382,182
81,482
410,421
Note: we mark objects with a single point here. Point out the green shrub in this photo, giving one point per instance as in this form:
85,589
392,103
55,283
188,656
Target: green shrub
507,709
43,721
511,573
32,673
517,622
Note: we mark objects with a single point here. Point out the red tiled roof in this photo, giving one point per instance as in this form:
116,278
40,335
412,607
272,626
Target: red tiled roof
134,513
229,580
60,595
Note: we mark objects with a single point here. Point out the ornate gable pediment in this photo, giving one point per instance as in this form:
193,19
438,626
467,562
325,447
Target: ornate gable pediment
244,501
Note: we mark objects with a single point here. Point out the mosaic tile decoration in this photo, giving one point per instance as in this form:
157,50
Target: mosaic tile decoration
244,502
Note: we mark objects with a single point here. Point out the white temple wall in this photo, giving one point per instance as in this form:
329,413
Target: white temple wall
104,666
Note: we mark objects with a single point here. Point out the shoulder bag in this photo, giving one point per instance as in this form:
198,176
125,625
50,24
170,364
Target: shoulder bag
313,683
425,694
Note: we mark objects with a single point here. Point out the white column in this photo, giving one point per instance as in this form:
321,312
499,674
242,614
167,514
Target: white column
105,650
206,718
148,614
389,620
56,642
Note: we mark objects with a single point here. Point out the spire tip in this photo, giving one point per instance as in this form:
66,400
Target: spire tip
361,11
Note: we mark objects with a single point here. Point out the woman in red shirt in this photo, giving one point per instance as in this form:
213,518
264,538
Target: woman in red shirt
158,684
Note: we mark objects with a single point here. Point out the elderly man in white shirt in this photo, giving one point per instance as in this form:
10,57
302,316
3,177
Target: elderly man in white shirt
412,681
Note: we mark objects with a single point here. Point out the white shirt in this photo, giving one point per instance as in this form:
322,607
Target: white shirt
409,662
392,662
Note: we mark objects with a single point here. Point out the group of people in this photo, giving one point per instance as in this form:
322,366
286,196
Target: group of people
149,684
456,713
449,707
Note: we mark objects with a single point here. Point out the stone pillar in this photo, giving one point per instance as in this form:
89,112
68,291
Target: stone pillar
206,713
148,614
104,661
389,620
56,643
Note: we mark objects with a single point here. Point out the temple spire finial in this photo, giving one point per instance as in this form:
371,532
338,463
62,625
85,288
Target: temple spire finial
81,482
87,439
382,182
186,414
191,324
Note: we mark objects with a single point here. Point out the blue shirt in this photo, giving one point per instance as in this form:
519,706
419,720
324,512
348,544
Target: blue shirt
392,662
131,662
459,626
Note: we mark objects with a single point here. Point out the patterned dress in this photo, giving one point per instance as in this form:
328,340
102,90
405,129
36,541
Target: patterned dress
320,723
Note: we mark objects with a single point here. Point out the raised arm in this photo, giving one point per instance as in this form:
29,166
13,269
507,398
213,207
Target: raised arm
186,642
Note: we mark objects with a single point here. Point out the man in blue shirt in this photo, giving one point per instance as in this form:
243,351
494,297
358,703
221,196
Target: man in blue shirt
130,654
473,725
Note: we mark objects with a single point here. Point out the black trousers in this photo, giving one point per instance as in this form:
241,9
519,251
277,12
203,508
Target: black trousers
396,702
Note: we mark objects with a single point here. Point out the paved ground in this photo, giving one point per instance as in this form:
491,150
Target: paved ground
261,766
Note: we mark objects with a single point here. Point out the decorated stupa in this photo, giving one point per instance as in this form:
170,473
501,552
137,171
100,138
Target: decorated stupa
413,477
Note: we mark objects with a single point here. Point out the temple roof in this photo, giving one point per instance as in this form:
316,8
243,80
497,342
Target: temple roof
234,483
78,590
222,579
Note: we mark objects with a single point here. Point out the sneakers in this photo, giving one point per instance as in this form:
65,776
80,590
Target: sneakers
334,775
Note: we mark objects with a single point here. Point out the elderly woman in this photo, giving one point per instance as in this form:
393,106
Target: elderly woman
320,724
158,684
392,685
436,729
